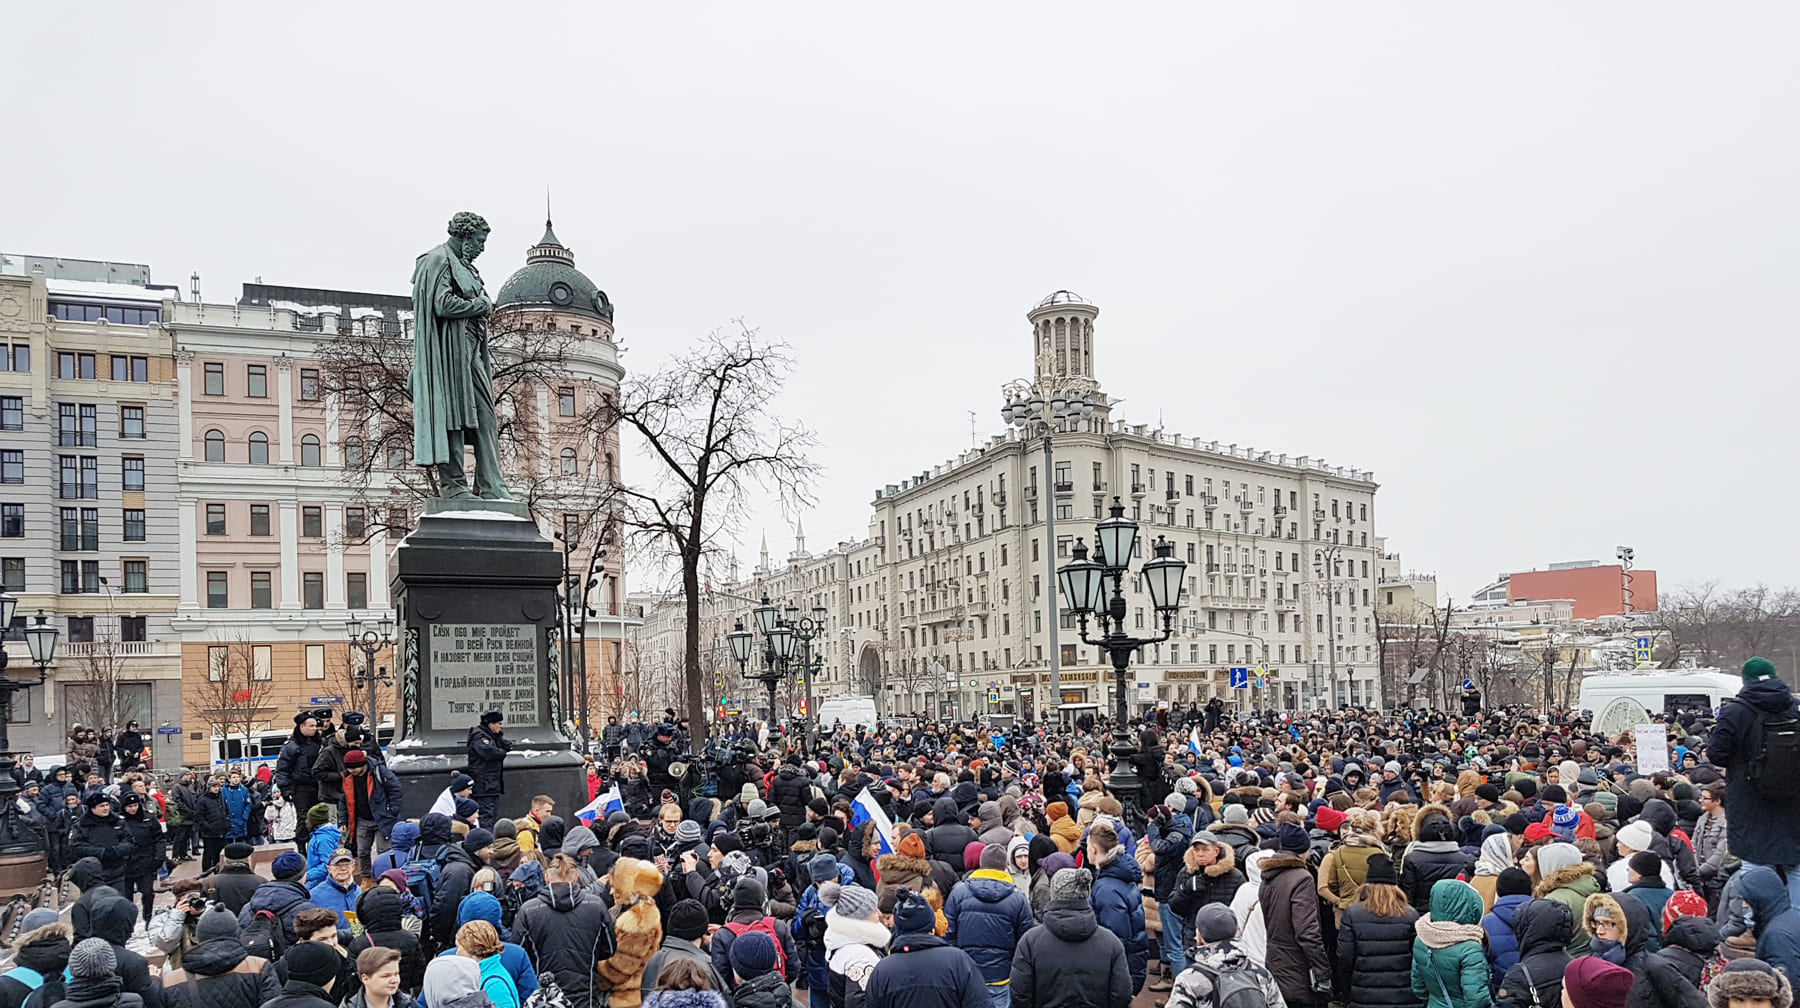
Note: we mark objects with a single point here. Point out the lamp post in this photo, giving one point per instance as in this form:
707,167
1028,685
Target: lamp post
370,641
778,648
1325,561
40,641
807,629
1029,409
1084,587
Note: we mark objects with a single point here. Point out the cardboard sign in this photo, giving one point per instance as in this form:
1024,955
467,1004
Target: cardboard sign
1652,748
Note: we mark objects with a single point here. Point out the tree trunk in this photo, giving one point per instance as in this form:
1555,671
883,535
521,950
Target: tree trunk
691,671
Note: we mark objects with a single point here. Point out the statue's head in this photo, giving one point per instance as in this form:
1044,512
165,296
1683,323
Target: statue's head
468,233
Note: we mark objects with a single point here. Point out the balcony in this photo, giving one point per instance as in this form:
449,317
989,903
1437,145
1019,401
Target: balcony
1031,492
1287,604
119,649
1137,489
1228,602
1065,488
1000,498
1209,502
1246,506
1174,495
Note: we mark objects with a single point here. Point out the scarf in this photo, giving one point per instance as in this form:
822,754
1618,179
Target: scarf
1437,935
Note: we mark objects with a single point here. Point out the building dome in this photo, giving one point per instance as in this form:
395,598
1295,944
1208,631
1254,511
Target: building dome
550,280
1063,297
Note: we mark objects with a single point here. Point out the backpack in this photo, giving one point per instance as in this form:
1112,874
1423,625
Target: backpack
424,876
548,994
1768,770
1240,988
263,936
766,926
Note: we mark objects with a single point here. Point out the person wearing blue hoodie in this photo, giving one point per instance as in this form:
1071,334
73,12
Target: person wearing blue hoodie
1511,891
513,958
1771,916
324,839
404,839
1117,900
808,927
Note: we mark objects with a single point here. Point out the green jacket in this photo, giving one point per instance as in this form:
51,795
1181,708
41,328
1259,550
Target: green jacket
1454,975
1571,887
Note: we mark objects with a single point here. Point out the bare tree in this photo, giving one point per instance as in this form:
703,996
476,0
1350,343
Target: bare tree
234,696
341,679
1712,626
95,694
707,423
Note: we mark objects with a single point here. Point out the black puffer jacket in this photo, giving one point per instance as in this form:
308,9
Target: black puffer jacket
212,817
112,921
233,884
102,839
1374,958
948,835
144,834
45,950
294,766
566,931
1544,928
1216,883
1671,977
380,912
454,881
1435,856
790,791
219,972
1070,961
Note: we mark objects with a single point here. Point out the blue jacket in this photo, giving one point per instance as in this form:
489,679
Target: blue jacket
329,895
1119,908
1503,939
237,803
319,848
924,971
283,899
818,973
988,915
1777,923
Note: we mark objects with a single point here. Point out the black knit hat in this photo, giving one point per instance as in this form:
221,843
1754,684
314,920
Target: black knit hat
1513,882
313,963
1381,870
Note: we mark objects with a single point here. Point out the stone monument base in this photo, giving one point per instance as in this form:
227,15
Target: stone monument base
561,774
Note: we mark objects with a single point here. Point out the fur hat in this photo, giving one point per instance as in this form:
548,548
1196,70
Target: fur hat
1071,885
752,955
93,958
1749,978
855,902
1216,923
1592,982
687,919
912,915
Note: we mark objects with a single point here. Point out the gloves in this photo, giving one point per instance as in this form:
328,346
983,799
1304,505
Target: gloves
1708,872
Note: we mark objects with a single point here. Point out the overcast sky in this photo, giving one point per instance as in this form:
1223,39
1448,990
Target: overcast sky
1531,263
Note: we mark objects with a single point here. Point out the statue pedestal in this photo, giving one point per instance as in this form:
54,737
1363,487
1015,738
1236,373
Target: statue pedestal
475,588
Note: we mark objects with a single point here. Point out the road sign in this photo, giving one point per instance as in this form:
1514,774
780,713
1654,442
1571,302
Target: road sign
1645,654
993,696
972,684
1240,678
1643,643
325,700
169,730
1468,684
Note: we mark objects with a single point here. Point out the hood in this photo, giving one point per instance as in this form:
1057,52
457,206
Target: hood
1632,911
435,829
113,919
550,833
1496,855
1659,814
479,906
1014,848
380,909
990,885
1253,863
211,958
1761,889
1434,823
1578,877
944,811
406,833
1071,923
1696,934
45,949
1770,696
562,896
1122,867
86,873
1542,926
1454,902
842,931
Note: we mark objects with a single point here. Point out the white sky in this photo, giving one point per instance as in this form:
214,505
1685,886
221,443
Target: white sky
1531,263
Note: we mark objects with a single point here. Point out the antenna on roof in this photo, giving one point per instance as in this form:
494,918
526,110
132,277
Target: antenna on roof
194,281
974,440
546,204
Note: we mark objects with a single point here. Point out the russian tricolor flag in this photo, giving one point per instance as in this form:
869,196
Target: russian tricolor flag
865,809
604,804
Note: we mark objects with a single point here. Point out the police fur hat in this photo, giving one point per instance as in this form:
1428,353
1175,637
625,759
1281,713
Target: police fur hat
1750,978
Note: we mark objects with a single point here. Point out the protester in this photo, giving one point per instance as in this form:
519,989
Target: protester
1375,941
1543,928
923,970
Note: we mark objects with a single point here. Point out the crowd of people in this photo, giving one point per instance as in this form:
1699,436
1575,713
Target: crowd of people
1358,858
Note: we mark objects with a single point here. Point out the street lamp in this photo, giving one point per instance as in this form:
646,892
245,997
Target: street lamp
806,630
1325,562
370,641
1084,586
40,642
1028,409
779,641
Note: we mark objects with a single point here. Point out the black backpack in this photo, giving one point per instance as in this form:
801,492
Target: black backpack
263,936
1240,988
1774,755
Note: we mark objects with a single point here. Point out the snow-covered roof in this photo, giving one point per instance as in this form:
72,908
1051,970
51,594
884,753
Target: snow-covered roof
109,291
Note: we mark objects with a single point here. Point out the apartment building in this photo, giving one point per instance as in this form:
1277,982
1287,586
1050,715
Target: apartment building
88,494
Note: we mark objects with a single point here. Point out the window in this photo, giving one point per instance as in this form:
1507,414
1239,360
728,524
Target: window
80,576
133,369
218,660
356,590
131,422
259,448
12,521
81,629
215,519
610,477
315,661
565,401
356,522
259,519
569,465
353,453
133,629
12,467
76,425
312,521
12,574
309,384
12,412
215,446
396,456
133,473
134,525
261,666
74,365
262,590
312,590
399,521
137,576
215,378
80,530
218,593
257,376
80,477
15,357
309,451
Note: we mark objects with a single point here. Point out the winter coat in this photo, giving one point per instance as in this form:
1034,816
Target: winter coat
679,948
219,973
1543,927
1295,951
323,843
1119,907
300,994
948,837
283,899
1194,987
1571,886
328,895
1777,923
44,951
1169,843
1070,961
1758,830
101,838
1215,883
566,931
238,801
98,992
113,921
988,915
1654,895
898,871
1374,955
1433,857
1635,952
853,948
454,880
1671,976
381,912
1503,939
212,818
294,765
925,971
789,791
233,884
487,760
766,991
145,836
1449,966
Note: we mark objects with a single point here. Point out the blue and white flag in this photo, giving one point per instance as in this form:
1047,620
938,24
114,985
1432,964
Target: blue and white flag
1194,742
865,809
604,804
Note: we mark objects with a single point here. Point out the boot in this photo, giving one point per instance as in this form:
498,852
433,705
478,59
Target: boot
1166,982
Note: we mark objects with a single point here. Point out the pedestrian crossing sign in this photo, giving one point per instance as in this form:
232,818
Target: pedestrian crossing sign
1240,678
